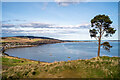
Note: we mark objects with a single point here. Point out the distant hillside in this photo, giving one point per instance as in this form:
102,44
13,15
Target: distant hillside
32,37
29,40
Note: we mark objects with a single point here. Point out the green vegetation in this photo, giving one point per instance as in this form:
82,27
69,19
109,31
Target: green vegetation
9,62
101,27
20,41
13,67
102,67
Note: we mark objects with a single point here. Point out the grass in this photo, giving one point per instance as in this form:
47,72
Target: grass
9,62
104,67
24,40
16,39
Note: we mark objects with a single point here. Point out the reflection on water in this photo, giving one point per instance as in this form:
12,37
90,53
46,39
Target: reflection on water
62,51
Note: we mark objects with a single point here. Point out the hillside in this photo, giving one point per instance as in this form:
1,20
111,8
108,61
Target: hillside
28,40
104,67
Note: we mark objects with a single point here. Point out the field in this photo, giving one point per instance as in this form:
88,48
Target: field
28,40
103,67
18,39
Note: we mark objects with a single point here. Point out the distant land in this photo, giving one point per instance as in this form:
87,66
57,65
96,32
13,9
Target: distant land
32,37
15,67
37,39
47,38
28,40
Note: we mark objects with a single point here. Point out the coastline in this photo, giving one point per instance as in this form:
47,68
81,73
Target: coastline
15,67
24,59
107,67
4,54
23,46
31,42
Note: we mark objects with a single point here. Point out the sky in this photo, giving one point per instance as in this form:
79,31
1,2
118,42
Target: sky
60,0
60,20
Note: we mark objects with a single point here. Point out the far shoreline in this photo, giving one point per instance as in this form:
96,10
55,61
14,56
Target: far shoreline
43,62
13,57
49,42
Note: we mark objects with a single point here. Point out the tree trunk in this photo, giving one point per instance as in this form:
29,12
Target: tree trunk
99,47
99,42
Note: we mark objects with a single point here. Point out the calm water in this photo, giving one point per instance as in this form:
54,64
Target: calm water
61,51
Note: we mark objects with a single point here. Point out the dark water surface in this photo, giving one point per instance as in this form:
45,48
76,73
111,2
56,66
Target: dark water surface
62,51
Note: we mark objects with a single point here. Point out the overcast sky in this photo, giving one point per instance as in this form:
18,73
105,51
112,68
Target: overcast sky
61,20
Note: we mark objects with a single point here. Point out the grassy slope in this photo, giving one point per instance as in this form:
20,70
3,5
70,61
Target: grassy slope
105,67
17,39
33,40
25,40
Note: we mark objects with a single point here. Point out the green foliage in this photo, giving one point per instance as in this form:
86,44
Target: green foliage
106,46
10,62
101,26
102,22
109,31
101,19
93,32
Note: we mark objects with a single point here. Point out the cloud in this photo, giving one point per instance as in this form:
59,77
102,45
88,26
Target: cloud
8,25
7,21
45,29
51,32
72,26
68,2
18,20
63,3
45,25
36,25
